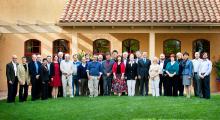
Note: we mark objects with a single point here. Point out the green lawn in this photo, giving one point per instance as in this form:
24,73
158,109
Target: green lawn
113,107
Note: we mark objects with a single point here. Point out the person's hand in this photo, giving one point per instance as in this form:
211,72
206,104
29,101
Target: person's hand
21,82
89,77
135,78
122,77
108,74
114,77
202,76
170,75
10,82
139,77
37,76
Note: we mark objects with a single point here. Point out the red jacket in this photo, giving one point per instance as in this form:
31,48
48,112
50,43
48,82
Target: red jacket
114,68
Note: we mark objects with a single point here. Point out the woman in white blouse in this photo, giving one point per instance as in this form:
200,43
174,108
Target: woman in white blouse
154,72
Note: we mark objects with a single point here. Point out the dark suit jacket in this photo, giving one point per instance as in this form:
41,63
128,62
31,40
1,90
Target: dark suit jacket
44,74
131,71
10,73
143,68
32,69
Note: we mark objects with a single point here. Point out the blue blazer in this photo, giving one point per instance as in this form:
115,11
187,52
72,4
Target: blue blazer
187,67
32,69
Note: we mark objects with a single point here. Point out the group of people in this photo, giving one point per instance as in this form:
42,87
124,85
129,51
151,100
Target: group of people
58,76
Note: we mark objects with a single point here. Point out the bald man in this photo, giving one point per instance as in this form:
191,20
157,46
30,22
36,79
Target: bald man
12,79
34,71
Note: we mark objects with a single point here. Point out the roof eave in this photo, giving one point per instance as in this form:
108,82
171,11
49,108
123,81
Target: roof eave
121,24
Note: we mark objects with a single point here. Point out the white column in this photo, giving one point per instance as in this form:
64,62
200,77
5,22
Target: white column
151,45
74,43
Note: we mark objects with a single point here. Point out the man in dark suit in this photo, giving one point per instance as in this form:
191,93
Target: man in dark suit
60,89
143,69
34,71
12,79
163,81
49,62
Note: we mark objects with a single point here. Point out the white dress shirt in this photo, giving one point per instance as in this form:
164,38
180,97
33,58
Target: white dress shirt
161,66
205,67
15,68
66,67
196,64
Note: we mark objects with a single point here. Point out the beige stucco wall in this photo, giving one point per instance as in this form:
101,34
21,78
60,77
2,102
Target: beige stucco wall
14,44
85,40
31,11
186,45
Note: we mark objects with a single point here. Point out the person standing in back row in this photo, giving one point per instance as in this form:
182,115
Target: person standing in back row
107,74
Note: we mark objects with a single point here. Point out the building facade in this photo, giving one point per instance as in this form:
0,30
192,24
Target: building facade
97,26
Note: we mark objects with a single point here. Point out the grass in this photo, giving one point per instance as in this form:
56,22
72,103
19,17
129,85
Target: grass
114,107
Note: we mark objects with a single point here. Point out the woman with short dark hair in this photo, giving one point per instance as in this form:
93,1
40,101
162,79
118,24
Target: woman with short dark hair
172,69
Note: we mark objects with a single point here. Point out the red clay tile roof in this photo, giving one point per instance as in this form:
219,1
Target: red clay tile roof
141,11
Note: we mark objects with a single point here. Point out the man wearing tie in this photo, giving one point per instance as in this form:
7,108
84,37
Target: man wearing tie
143,73
12,79
34,71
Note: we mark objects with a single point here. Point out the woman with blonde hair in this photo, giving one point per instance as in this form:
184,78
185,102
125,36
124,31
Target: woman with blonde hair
154,72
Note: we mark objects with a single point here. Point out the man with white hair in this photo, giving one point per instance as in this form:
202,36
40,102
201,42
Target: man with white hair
179,56
125,58
66,67
60,56
12,79
196,80
39,58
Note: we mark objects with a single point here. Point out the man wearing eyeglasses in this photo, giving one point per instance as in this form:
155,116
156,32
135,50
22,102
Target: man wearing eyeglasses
12,79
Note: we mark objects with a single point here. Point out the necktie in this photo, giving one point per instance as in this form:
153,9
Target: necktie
36,65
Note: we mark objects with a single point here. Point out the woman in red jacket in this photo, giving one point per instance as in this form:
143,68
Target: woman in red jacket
119,83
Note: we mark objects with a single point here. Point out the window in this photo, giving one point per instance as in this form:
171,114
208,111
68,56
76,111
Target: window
61,45
130,45
101,46
201,45
171,46
32,46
